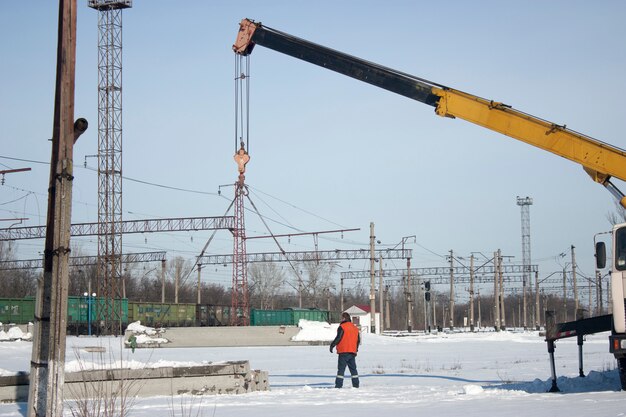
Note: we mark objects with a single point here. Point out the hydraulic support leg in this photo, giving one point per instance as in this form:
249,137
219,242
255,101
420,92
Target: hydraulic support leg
551,348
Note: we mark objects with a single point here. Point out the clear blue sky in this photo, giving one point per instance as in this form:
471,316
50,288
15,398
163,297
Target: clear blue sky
327,151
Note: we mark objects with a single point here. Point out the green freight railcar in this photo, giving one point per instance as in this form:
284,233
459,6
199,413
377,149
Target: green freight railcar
90,312
162,314
311,314
271,317
95,309
286,317
17,310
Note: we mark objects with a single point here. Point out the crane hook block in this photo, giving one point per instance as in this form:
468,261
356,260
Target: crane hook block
242,158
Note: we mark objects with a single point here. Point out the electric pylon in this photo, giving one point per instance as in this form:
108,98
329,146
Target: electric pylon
239,315
110,159
525,204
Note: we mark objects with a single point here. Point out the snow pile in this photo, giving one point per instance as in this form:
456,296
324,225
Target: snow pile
81,364
144,339
137,328
14,333
315,331
473,389
144,335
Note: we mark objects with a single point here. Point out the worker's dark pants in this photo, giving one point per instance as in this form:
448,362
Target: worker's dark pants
346,359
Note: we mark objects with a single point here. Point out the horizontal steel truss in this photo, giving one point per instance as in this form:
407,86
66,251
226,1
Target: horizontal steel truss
446,279
458,271
78,261
128,226
308,256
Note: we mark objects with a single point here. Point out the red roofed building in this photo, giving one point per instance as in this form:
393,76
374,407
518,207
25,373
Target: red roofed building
361,316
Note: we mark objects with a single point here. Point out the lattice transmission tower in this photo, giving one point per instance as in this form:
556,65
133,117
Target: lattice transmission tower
240,307
110,158
525,204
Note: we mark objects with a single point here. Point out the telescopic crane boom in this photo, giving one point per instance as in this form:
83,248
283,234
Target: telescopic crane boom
600,160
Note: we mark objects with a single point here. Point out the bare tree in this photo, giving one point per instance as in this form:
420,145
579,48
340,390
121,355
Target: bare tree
317,281
16,283
266,282
617,216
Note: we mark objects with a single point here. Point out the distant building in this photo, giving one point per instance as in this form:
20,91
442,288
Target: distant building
361,316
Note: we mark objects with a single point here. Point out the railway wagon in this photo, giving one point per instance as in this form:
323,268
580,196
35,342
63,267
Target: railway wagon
162,314
17,310
85,312
287,317
212,315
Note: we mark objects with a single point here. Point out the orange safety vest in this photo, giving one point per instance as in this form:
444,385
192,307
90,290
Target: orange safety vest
350,339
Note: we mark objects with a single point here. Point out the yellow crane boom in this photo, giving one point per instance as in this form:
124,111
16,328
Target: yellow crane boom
600,160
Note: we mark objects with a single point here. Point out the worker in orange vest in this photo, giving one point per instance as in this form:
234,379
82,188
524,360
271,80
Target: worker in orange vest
347,341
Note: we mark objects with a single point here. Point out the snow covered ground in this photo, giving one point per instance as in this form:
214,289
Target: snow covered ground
461,374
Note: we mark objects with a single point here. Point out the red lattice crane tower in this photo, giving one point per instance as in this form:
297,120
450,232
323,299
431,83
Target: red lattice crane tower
240,306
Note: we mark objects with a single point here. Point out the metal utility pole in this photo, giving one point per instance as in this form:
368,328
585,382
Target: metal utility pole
451,289
372,279
525,204
110,157
47,372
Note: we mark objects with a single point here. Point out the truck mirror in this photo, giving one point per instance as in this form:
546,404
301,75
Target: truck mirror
600,255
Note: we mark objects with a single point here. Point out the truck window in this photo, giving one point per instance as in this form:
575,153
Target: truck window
620,249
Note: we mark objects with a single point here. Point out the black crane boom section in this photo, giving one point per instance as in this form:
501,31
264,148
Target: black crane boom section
252,33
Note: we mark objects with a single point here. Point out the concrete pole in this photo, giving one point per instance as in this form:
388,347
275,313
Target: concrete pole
163,281
496,293
451,289
599,301
387,315
609,304
341,294
124,274
372,280
425,313
525,290
47,371
471,293
564,296
574,280
480,318
199,290
328,299
177,274
409,292
537,301
380,294
502,300
433,301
